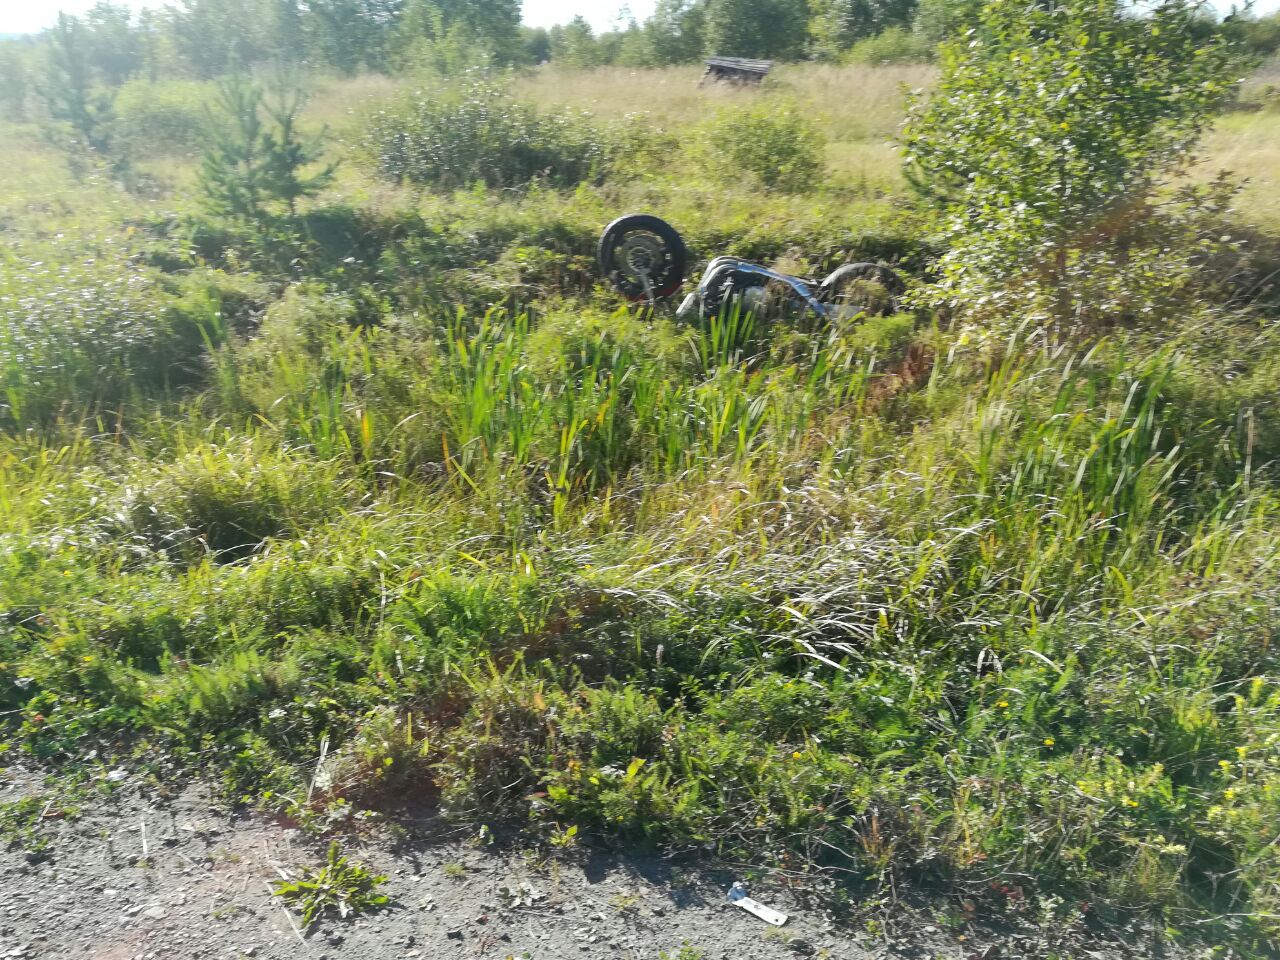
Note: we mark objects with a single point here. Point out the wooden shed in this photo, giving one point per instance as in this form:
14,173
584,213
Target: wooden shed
735,70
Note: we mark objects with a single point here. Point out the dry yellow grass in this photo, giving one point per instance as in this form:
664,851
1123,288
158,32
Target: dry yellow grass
857,102
338,102
859,109
850,102
1246,143
670,95
1248,146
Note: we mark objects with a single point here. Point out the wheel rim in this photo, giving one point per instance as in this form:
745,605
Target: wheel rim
643,260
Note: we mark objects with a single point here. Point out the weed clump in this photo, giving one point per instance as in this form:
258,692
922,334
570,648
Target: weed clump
224,501
894,44
386,762
85,338
339,887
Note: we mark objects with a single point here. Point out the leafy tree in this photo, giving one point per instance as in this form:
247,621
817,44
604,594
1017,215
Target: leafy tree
421,20
150,40
289,37
836,25
1259,35
254,164
13,79
463,32
210,35
214,37
348,34
936,20
676,33
1049,130
575,44
632,48
773,29
113,45
497,22
535,45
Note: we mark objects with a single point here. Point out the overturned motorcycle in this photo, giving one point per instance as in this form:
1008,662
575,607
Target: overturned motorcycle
644,259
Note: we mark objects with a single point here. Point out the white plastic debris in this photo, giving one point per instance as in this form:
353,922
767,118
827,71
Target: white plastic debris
738,896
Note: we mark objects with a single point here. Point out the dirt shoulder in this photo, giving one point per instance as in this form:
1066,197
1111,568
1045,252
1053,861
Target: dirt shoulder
143,877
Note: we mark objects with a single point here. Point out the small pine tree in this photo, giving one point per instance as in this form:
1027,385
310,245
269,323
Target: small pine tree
287,155
255,161
232,169
70,90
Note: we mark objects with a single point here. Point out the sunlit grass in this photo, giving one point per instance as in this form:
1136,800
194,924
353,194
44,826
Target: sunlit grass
869,599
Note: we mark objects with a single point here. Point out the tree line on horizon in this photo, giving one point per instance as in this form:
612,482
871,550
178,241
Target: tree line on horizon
206,39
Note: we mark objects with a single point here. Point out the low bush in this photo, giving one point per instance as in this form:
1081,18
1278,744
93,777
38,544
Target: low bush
477,133
893,45
485,768
769,141
223,695
385,761
169,117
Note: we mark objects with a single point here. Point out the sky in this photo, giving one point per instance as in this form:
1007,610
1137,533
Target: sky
30,16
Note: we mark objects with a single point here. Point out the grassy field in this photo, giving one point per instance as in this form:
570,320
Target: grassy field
422,508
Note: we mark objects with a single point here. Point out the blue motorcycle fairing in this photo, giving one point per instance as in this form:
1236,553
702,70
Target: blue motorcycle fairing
721,267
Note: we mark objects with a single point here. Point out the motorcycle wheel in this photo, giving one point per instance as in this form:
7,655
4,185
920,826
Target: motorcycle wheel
862,288
642,257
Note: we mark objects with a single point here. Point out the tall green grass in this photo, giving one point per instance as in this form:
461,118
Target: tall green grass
1017,633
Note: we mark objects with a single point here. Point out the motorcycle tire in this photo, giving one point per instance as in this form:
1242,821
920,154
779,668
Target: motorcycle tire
836,288
642,257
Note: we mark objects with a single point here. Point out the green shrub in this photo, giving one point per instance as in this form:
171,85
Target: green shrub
293,587
893,45
223,695
615,724
885,335
769,141
168,117
386,759
476,133
485,767
1052,186
297,584
451,55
